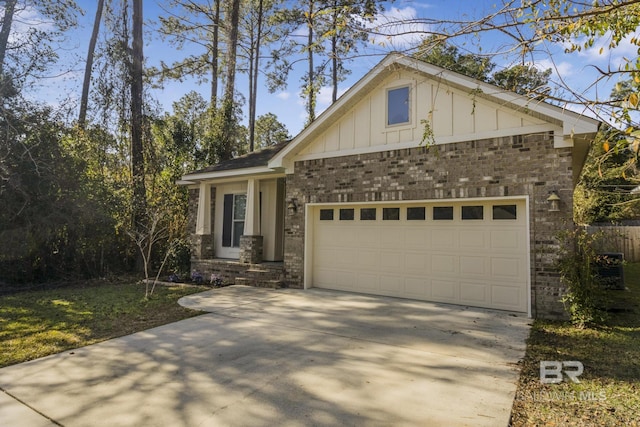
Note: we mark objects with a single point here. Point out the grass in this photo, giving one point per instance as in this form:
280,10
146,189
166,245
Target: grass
609,390
39,323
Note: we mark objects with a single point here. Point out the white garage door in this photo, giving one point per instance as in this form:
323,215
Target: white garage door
471,253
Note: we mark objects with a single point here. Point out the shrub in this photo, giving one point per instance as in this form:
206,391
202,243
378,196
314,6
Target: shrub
585,299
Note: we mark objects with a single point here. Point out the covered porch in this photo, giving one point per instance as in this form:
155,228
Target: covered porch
237,212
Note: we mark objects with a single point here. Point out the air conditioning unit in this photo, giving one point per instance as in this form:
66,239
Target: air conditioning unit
610,271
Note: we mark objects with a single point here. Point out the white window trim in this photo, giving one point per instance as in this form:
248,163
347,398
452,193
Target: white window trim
410,86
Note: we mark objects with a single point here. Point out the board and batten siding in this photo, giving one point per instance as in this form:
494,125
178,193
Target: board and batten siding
453,115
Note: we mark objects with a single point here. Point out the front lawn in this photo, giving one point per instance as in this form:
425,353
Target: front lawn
39,323
609,390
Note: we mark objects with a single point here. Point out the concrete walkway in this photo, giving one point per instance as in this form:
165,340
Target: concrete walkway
283,357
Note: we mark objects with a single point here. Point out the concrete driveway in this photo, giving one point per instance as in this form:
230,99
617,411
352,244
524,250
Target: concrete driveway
283,357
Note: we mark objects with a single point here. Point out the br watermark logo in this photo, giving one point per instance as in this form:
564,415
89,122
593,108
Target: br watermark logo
554,372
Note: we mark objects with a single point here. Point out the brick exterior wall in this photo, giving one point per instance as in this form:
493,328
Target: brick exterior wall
526,165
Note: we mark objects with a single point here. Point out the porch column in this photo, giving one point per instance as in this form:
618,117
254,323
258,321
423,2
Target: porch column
251,241
203,222
202,241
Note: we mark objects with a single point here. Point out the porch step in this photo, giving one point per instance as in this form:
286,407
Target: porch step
260,283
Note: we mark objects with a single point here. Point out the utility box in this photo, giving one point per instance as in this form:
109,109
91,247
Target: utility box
610,271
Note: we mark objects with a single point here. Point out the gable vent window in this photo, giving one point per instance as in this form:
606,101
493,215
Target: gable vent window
398,106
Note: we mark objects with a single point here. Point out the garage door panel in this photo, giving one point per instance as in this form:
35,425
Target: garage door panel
368,259
417,238
391,284
473,265
391,261
473,239
506,239
418,287
507,297
367,282
484,263
324,277
368,236
446,264
510,268
416,263
444,239
444,290
474,293
391,238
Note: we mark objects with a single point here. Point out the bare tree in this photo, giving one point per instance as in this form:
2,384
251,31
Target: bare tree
89,65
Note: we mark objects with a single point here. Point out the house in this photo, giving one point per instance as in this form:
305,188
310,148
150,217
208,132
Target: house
358,202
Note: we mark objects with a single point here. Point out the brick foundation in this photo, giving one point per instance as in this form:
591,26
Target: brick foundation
251,248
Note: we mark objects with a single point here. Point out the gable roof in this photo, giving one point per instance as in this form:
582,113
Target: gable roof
575,127
254,161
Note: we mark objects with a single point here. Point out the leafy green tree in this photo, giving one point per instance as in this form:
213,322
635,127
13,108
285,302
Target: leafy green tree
604,191
27,54
523,79
269,131
196,24
449,56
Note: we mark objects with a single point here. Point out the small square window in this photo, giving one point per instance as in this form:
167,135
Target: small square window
504,212
326,214
472,212
368,214
416,213
346,214
442,213
391,214
398,106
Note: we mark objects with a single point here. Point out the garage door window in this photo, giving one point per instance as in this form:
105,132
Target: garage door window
472,212
504,212
391,214
326,214
442,213
368,214
346,214
414,214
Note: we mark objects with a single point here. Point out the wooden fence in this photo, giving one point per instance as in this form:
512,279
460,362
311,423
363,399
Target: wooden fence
624,239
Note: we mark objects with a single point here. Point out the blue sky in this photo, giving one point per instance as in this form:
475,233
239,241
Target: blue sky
576,70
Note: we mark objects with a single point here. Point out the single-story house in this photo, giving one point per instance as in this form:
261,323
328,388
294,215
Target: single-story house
358,202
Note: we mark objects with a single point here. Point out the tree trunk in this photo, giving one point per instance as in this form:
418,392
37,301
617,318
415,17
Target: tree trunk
311,95
84,100
334,53
253,90
214,56
228,107
137,154
7,21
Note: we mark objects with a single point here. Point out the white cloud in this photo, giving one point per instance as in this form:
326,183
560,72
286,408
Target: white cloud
283,95
562,69
397,29
601,53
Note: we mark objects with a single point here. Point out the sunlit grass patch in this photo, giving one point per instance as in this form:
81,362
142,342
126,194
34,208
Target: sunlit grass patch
609,390
39,323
